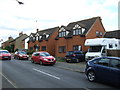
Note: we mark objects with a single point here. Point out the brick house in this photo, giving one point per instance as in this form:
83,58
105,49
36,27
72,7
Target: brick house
43,40
73,36
7,43
18,43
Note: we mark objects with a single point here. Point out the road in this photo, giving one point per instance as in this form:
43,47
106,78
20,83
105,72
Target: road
24,74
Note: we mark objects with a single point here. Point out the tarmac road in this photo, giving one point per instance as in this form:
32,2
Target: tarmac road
24,74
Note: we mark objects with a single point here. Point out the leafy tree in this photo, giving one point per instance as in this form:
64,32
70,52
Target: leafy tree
8,48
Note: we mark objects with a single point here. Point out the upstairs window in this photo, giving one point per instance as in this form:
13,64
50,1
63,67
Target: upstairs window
34,38
77,32
31,38
62,34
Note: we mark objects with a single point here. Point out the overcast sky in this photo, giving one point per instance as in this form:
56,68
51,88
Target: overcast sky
15,18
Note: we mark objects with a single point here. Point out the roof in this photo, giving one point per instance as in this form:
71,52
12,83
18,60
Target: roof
112,34
8,41
19,37
87,24
49,32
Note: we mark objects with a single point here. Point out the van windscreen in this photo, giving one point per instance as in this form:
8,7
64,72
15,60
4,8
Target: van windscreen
95,48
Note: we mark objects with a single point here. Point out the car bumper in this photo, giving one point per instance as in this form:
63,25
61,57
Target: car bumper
5,58
49,62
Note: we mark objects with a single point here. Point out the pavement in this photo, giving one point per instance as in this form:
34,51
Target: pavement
77,67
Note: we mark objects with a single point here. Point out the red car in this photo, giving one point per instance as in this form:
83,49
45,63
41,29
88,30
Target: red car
21,55
5,55
43,58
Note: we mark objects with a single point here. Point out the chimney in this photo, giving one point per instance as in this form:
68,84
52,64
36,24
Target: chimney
21,33
9,38
37,29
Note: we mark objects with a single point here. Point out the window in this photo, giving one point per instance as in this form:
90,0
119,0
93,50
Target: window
31,38
31,48
77,32
101,33
62,34
34,38
62,49
76,47
104,61
43,48
97,33
115,63
110,45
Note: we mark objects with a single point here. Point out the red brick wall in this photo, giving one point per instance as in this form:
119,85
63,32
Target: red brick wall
77,40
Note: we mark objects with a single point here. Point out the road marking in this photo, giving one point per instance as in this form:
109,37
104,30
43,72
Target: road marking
46,73
8,80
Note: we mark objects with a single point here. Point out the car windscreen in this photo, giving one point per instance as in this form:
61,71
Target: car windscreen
22,52
4,52
95,48
44,54
78,53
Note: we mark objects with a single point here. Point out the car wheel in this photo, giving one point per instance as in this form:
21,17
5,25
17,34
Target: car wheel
91,76
41,63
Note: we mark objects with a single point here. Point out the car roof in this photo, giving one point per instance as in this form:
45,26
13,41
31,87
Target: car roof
40,52
110,57
3,50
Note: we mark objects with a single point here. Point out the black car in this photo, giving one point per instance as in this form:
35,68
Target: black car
104,69
75,56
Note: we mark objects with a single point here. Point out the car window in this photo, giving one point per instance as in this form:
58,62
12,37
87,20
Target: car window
36,54
44,54
115,63
103,61
69,53
78,52
4,52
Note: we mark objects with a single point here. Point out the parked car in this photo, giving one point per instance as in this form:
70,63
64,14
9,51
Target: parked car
43,58
74,56
105,69
5,55
21,55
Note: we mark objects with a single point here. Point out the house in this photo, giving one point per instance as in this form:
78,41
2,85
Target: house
7,43
73,36
18,43
43,40
112,34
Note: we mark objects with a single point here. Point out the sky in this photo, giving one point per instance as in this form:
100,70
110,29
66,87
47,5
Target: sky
43,14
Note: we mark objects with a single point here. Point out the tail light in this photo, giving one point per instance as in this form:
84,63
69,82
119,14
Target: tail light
74,55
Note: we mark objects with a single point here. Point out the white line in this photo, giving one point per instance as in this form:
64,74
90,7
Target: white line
46,73
8,80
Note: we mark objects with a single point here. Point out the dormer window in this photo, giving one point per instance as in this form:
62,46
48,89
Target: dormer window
77,32
63,33
31,38
34,38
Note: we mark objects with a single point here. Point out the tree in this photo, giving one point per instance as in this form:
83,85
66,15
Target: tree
8,48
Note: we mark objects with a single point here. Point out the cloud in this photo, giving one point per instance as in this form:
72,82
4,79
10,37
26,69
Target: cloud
51,13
